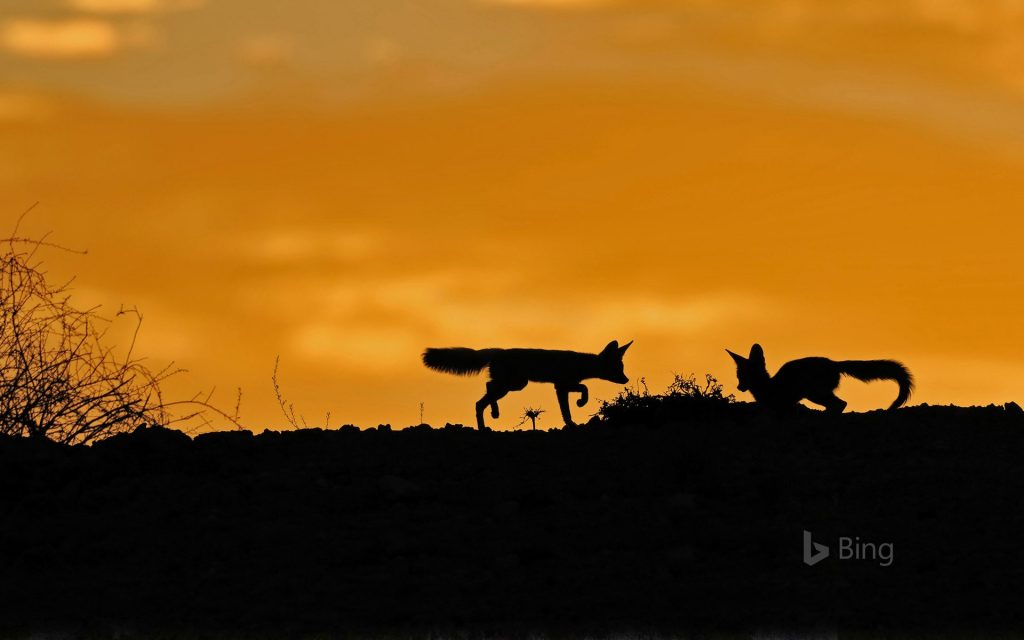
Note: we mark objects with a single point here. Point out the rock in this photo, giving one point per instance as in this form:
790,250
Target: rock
398,486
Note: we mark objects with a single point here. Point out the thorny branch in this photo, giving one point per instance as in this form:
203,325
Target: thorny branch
58,377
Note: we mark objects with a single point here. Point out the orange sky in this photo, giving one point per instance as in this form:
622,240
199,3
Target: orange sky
346,183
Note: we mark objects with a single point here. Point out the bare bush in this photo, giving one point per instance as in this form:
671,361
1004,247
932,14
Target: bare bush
684,395
295,420
59,377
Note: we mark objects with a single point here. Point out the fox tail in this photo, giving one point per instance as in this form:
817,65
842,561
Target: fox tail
869,370
458,360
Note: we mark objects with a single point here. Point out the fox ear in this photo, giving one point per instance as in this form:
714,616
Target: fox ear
736,357
622,349
757,353
610,348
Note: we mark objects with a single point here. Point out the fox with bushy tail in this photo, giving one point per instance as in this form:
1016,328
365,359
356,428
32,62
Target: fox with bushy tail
814,379
513,369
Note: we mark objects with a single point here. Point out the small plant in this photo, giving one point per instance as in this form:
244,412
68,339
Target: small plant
531,414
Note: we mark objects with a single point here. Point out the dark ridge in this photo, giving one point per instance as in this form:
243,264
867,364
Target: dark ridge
687,521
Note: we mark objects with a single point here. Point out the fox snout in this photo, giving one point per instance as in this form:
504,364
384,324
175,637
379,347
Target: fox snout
621,380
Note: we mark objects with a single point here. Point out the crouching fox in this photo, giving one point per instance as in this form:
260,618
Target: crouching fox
513,369
814,379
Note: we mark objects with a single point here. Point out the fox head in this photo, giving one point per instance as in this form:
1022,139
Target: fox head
611,368
751,372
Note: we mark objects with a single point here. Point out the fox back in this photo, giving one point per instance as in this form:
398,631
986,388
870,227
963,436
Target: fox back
559,367
533,365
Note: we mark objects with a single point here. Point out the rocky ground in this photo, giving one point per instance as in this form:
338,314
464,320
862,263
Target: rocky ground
688,521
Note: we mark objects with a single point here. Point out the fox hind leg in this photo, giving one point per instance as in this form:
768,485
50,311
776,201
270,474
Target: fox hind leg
503,389
495,391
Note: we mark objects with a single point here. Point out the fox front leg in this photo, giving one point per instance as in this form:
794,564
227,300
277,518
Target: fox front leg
584,394
831,402
563,402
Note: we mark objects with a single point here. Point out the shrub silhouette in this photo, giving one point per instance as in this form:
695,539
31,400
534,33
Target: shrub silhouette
59,377
685,395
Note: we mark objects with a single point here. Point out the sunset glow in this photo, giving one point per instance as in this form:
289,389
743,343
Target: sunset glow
344,184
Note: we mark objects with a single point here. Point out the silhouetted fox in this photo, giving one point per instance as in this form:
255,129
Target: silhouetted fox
814,379
512,369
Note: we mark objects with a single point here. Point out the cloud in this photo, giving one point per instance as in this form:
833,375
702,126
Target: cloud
76,38
383,50
964,379
598,320
18,106
380,324
133,6
550,4
265,50
294,246
368,349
